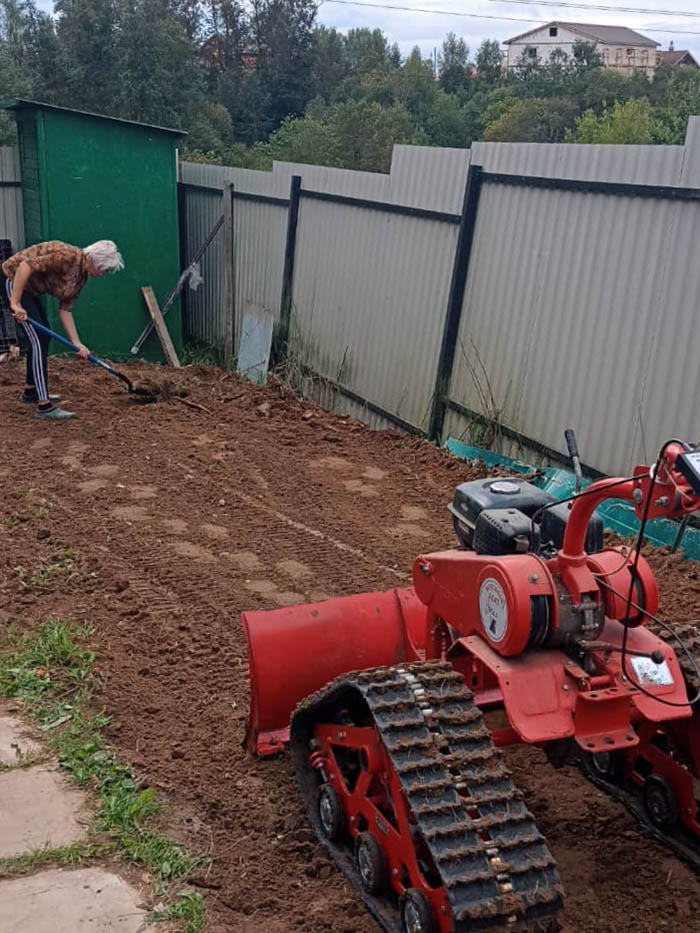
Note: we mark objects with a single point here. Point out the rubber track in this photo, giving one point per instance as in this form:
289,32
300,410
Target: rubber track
682,843
493,861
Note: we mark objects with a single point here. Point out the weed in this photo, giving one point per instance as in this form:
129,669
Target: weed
206,354
10,522
76,853
62,569
189,908
51,670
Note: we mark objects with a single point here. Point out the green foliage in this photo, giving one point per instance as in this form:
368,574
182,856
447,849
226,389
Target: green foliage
353,134
488,62
51,670
256,81
533,120
629,122
453,64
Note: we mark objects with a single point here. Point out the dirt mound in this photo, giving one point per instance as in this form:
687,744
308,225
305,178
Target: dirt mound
161,524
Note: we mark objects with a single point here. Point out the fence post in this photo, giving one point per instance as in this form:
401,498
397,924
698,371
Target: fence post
455,301
182,242
229,258
288,273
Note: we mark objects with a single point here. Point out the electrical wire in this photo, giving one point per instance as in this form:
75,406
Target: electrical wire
633,578
577,495
462,13
667,628
601,6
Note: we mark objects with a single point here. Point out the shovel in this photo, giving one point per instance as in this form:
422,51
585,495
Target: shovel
91,356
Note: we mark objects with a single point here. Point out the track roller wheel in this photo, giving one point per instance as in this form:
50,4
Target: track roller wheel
605,765
416,915
330,813
660,803
370,863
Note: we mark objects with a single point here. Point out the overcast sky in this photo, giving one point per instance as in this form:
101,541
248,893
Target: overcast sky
427,30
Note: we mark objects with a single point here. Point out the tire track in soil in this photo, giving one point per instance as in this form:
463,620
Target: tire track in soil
171,651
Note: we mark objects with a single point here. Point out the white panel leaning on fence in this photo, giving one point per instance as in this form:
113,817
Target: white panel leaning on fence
579,305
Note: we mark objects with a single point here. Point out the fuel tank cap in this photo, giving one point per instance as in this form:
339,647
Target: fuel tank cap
504,487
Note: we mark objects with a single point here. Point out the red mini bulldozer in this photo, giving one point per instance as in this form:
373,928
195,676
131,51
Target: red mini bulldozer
396,704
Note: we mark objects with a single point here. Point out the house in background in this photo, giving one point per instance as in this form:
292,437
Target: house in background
620,48
680,57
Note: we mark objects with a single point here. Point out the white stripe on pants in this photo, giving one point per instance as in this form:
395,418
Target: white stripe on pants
37,363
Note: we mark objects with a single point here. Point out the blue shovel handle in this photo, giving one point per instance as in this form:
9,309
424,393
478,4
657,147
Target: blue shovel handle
91,356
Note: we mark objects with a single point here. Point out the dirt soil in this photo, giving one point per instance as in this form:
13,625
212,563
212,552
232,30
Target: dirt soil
177,520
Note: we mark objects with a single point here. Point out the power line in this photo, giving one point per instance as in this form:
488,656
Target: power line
509,19
600,6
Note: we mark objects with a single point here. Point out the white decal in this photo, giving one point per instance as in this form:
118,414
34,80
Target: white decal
649,673
493,609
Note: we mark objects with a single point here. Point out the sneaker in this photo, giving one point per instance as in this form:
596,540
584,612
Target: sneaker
29,399
54,414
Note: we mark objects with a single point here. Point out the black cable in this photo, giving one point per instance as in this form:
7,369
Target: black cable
577,495
679,641
633,577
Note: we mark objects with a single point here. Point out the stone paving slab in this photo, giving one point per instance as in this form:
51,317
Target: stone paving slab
87,899
37,808
13,740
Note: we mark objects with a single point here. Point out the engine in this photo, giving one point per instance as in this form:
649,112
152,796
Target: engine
512,516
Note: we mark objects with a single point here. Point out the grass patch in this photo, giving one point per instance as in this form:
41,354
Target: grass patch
51,670
77,853
207,354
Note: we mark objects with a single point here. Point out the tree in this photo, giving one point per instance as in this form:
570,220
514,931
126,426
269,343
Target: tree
367,133
488,62
453,64
629,122
677,91
281,32
329,66
88,36
368,50
534,120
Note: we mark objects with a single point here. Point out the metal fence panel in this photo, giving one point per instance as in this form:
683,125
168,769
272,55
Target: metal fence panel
577,303
259,236
369,298
11,220
579,307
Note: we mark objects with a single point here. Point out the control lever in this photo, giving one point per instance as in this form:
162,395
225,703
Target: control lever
572,446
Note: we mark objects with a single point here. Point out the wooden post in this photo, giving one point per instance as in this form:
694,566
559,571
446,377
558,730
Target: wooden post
229,297
159,324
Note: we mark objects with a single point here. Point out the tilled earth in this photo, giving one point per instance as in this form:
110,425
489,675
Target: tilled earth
161,523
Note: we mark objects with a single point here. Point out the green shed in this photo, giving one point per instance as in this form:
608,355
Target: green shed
87,177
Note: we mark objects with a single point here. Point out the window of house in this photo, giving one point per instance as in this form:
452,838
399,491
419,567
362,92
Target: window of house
630,53
618,55
531,51
645,57
553,30
606,56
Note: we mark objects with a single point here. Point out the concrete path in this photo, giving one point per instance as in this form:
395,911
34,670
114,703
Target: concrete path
37,809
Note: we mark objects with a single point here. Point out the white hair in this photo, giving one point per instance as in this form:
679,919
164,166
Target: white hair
105,256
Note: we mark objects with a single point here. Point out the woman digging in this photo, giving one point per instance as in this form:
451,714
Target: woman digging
52,268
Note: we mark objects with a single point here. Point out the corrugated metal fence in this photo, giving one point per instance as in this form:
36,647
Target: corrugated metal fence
580,299
11,223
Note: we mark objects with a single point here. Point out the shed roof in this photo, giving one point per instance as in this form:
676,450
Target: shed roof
19,103
607,35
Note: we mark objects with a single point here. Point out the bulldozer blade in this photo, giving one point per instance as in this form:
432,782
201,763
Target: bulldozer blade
293,652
